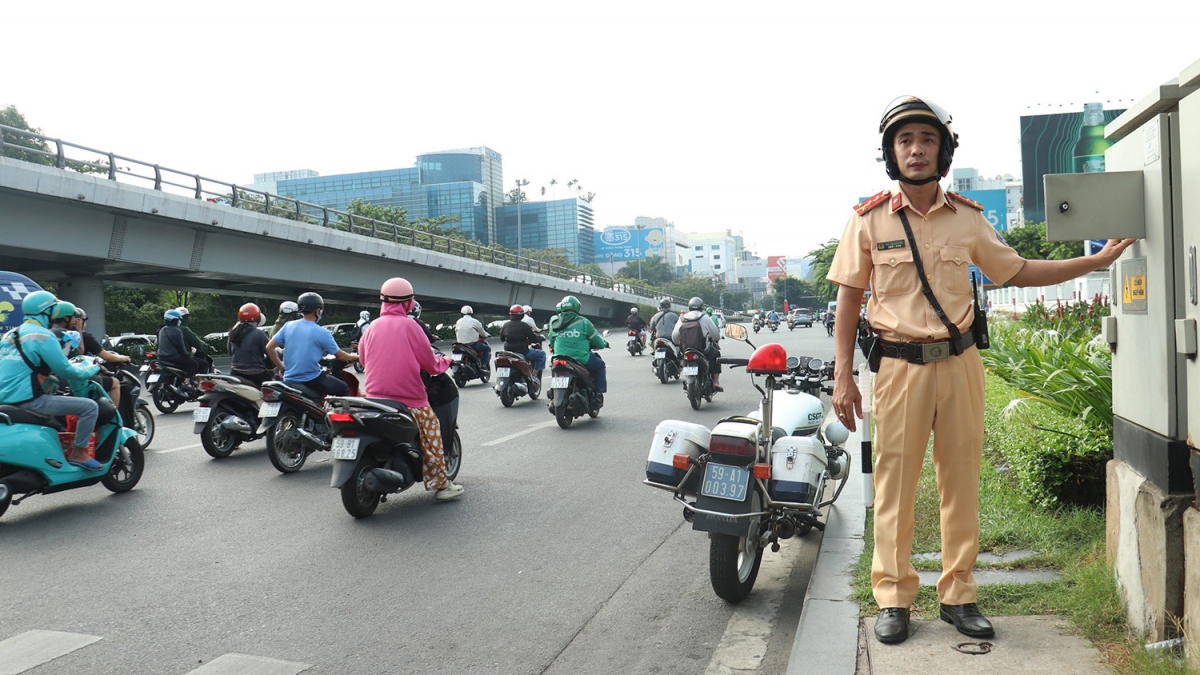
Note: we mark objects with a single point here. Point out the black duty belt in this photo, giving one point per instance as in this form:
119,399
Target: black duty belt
927,352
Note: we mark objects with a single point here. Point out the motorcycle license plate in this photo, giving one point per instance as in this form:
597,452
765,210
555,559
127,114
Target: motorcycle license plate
691,370
201,414
345,448
503,372
153,378
456,357
660,355
269,410
559,382
725,482
144,369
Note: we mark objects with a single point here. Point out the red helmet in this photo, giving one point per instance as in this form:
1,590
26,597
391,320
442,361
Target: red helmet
517,309
396,289
249,312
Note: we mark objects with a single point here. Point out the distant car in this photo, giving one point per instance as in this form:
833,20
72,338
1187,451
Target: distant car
223,335
133,343
341,328
804,319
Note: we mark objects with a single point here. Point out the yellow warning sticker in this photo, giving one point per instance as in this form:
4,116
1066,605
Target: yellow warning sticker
1138,287
1134,292
1127,295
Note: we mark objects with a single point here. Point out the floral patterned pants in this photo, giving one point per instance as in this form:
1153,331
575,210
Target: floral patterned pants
434,466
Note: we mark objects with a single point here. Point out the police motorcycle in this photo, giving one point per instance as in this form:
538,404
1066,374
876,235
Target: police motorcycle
572,393
293,418
466,365
228,413
698,379
165,385
133,407
33,453
515,378
754,479
666,360
376,449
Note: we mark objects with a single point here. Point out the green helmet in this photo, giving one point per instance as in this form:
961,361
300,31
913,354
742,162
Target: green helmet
37,304
64,310
708,311
569,304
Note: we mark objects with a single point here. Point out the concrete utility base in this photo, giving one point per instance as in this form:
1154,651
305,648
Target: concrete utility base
1030,645
1191,601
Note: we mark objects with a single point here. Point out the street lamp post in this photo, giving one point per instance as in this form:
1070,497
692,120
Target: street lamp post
521,182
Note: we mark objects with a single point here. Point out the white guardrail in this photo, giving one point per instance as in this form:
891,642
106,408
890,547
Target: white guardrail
1083,289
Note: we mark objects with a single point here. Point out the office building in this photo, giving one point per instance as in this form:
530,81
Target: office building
479,171
566,224
714,254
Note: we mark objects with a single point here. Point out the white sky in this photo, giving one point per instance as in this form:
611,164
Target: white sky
760,117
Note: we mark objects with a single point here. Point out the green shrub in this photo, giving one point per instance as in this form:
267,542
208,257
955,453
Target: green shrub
1055,459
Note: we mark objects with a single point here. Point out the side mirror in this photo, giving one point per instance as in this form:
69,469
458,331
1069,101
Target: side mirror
440,326
735,331
606,332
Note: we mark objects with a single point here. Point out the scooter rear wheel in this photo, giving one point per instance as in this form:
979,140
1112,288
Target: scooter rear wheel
563,416
127,467
5,498
286,453
662,372
506,397
356,498
693,393
217,442
163,400
453,456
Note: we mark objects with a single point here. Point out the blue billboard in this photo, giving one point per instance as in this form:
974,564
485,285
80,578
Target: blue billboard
995,206
630,243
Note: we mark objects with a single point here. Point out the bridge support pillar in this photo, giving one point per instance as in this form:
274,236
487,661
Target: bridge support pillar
88,293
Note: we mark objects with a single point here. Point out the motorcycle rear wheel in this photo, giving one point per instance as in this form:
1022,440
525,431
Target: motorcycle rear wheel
146,420
127,467
163,400
287,455
563,416
5,498
223,446
661,371
453,456
733,561
357,499
535,388
506,397
460,378
693,393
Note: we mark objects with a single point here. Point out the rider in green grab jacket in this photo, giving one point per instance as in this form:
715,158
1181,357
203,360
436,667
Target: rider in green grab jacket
574,336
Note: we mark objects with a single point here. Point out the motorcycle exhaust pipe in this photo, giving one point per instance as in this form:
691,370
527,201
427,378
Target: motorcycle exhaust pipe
519,388
236,425
385,480
311,440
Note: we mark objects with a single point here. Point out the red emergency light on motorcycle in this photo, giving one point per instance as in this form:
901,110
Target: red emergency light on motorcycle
769,359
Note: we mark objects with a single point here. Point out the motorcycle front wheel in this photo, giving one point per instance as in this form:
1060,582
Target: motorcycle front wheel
144,425
356,498
733,561
218,443
287,454
164,401
127,467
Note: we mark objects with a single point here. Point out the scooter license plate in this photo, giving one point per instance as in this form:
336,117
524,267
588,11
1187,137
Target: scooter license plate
269,410
345,448
725,482
559,382
144,369
153,378
456,357
660,355
691,370
503,372
201,414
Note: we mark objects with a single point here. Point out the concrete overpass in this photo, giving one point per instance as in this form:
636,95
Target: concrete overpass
86,230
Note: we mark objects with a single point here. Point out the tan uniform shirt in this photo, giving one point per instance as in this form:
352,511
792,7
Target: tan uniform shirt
874,252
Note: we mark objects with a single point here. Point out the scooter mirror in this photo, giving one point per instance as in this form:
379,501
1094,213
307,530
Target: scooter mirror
735,331
606,333
440,326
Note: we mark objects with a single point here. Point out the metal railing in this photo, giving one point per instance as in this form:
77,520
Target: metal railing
195,186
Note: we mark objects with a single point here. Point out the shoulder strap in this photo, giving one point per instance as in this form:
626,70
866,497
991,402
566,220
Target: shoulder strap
955,335
43,370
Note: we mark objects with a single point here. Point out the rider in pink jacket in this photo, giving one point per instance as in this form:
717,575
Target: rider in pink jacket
394,352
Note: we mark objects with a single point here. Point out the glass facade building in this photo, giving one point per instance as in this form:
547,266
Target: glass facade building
397,188
566,224
482,166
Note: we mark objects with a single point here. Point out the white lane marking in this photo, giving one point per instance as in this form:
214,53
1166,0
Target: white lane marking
242,664
532,428
749,630
182,447
33,648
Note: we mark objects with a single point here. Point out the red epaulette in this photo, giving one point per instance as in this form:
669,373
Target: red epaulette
871,202
969,202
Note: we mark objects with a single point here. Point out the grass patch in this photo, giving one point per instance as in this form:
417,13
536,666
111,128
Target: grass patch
1069,540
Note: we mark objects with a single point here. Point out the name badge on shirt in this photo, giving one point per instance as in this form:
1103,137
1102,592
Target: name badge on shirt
890,245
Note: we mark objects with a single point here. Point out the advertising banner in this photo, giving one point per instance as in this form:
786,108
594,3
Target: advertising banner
995,206
776,267
13,289
752,269
630,243
1062,143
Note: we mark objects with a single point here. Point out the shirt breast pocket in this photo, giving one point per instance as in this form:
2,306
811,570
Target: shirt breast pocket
954,275
895,273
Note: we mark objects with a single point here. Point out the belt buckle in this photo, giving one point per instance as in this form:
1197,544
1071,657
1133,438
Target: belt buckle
935,351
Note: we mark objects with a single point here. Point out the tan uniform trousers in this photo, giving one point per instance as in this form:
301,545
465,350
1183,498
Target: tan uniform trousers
947,398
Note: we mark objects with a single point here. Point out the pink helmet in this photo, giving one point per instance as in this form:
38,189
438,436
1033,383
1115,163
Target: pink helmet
396,289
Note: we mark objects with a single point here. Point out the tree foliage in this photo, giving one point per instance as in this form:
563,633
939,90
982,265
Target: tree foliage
1031,243
10,116
654,271
798,292
822,259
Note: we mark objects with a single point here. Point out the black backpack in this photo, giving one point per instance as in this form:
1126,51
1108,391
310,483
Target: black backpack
691,334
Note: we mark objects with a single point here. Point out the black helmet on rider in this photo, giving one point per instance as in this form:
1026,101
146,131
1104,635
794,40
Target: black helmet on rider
310,302
665,303
696,304
905,110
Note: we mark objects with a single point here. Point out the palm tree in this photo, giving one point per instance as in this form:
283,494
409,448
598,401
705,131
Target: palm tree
553,182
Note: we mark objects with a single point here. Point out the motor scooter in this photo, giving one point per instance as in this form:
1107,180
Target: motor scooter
133,408
515,378
228,413
572,393
466,365
666,360
754,479
33,454
293,418
166,385
634,345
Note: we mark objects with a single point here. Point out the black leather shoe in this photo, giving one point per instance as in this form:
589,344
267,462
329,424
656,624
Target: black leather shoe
968,620
892,626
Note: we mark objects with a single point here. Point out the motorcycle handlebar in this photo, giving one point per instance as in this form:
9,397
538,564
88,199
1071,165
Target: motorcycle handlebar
732,362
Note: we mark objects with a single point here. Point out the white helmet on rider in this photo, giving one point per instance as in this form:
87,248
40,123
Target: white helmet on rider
527,308
467,309
633,310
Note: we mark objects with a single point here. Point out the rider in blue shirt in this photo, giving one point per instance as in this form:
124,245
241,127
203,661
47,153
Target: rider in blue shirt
305,342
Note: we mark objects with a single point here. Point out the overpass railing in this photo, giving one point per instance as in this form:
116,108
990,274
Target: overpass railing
35,149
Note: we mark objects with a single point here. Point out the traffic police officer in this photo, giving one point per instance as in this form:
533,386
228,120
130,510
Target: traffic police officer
924,386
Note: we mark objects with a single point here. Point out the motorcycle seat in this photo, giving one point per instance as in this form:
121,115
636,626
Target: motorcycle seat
18,415
391,403
510,355
174,371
